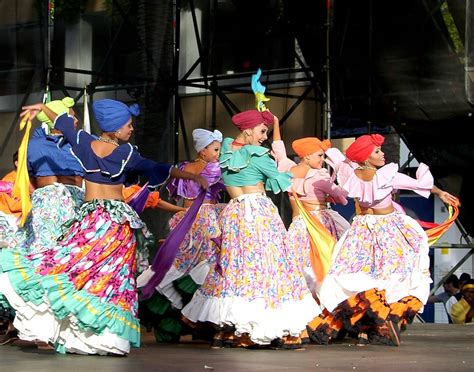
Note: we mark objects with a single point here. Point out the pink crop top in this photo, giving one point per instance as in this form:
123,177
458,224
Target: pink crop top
316,185
377,193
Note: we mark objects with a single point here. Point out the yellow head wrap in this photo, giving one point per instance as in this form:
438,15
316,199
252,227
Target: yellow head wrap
58,107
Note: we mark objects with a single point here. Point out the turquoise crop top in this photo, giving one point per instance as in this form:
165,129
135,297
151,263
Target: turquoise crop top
251,165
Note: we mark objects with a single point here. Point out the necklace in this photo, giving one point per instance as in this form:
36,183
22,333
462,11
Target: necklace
366,167
201,160
108,140
237,143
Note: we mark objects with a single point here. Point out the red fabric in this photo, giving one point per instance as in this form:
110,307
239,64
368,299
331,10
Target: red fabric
360,150
309,145
251,118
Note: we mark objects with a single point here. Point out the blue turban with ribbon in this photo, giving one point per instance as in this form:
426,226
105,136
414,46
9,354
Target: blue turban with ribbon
203,138
113,115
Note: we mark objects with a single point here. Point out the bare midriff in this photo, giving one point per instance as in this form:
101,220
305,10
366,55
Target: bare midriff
49,180
100,191
378,211
309,205
236,191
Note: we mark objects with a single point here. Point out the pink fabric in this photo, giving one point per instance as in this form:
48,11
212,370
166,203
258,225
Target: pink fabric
6,187
317,183
377,193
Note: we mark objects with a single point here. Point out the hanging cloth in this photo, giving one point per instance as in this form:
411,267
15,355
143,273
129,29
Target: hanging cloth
321,240
21,188
166,254
434,230
87,121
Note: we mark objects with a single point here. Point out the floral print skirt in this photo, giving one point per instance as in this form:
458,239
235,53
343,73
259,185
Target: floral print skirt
386,252
80,295
257,287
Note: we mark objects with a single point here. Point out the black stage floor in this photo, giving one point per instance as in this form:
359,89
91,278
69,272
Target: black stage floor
425,347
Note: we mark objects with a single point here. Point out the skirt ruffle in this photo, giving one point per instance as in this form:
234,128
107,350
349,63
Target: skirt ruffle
258,287
80,295
385,252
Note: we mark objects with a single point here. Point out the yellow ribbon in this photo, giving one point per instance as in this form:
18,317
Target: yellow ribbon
321,240
21,188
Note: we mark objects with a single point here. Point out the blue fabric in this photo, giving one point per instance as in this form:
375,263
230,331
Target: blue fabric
113,115
115,168
51,156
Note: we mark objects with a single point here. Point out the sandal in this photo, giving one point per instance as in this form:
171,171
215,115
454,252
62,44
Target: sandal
394,332
218,341
362,339
9,335
42,345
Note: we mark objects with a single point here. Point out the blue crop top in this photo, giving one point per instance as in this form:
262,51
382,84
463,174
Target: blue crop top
251,165
113,168
51,156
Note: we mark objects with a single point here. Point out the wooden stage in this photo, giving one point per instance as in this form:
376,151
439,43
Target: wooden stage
425,347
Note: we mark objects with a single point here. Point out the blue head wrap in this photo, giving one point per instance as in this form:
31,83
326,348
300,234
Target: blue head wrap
113,115
203,138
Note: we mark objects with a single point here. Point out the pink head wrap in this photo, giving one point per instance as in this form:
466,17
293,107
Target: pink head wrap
251,118
360,150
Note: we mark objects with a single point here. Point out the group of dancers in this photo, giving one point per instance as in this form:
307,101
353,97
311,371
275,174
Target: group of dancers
73,272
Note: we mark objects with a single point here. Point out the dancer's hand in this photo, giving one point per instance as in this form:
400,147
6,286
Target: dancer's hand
447,198
33,110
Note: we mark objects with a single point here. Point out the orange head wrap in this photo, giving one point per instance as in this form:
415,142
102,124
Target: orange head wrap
360,150
309,145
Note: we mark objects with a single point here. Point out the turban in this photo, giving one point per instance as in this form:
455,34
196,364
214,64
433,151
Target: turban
309,145
58,107
251,118
113,115
360,150
203,137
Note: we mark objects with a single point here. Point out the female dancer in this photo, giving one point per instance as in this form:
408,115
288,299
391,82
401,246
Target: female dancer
82,296
197,252
314,187
56,178
379,278
256,290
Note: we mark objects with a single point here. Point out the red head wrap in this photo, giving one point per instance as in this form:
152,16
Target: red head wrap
360,150
251,118
309,145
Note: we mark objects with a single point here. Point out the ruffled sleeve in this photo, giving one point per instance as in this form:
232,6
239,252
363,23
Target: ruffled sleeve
238,159
276,181
334,157
279,152
257,158
422,185
189,189
367,192
323,182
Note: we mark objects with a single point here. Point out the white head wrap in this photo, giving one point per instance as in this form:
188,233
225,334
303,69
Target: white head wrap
203,138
